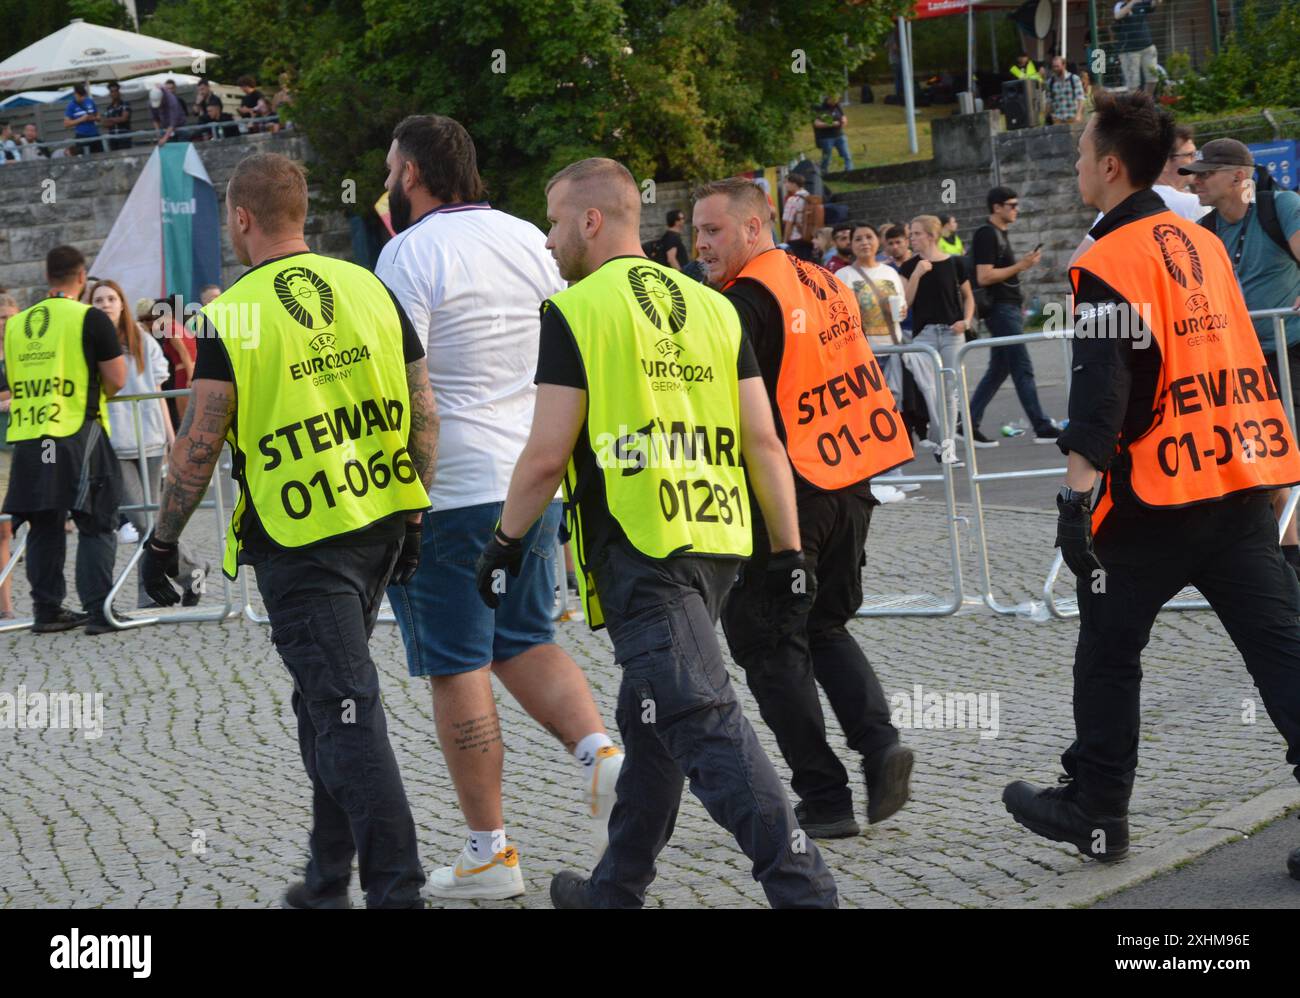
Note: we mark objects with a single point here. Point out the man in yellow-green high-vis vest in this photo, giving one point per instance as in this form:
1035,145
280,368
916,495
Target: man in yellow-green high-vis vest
649,398
312,371
63,361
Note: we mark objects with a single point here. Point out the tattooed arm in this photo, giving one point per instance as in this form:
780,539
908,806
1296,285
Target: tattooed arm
194,455
422,442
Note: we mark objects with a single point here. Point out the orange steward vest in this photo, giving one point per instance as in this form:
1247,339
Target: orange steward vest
1219,425
840,421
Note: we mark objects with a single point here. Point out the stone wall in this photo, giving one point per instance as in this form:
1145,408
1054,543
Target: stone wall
88,192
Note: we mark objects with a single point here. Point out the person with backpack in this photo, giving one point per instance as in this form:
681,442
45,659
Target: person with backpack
998,270
801,216
1262,236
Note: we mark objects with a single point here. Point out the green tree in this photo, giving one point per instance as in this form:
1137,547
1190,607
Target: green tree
26,22
676,89
1258,66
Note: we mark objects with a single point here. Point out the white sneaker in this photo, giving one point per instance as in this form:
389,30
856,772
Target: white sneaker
601,795
127,534
927,444
496,880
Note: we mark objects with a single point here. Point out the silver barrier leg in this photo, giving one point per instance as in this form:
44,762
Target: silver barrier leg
15,556
974,478
217,504
926,604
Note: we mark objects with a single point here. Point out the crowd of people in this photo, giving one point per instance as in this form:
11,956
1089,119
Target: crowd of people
97,129
782,433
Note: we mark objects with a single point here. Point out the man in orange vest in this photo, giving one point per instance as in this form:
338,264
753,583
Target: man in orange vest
1173,405
840,426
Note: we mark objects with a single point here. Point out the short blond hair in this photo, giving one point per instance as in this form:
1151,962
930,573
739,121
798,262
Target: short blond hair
743,194
273,189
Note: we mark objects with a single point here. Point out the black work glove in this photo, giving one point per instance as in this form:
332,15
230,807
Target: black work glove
408,562
1074,537
501,552
789,589
159,565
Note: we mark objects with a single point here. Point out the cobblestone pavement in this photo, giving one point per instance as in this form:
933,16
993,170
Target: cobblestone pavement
194,796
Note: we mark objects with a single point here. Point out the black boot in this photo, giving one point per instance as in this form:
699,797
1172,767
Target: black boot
569,890
826,823
1057,813
888,774
58,619
297,896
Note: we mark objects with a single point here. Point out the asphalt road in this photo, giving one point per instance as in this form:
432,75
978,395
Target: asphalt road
1249,873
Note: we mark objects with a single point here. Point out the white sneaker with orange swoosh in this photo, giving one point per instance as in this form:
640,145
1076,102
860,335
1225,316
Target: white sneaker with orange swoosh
601,796
495,880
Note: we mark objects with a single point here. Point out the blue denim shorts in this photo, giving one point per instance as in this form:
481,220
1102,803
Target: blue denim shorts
445,625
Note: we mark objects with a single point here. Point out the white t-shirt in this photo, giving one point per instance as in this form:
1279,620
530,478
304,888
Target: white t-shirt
793,213
1181,203
472,279
120,421
875,324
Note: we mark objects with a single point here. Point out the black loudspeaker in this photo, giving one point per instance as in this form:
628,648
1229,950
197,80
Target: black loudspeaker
1016,104
1033,18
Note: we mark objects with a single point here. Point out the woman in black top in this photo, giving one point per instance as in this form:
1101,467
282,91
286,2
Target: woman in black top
943,308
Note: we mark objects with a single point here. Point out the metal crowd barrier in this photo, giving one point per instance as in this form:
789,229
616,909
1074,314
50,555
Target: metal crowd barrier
17,547
926,604
150,136
1066,608
149,507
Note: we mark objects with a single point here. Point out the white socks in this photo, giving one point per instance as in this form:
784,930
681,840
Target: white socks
485,845
586,751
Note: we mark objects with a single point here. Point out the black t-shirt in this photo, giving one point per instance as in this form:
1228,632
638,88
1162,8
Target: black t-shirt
764,326
200,108
673,240
560,363
115,109
938,293
993,247
213,363
250,100
828,113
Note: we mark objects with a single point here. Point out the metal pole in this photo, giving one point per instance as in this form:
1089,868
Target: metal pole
1061,29
993,38
1097,78
1215,40
970,49
909,100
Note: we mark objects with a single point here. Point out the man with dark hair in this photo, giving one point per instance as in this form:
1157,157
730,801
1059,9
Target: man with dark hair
1166,375
81,116
998,269
472,280
254,103
672,248
333,475
64,361
117,116
203,98
842,254
828,130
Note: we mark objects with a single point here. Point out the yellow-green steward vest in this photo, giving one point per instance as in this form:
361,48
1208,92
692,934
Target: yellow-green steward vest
48,375
663,413
322,408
